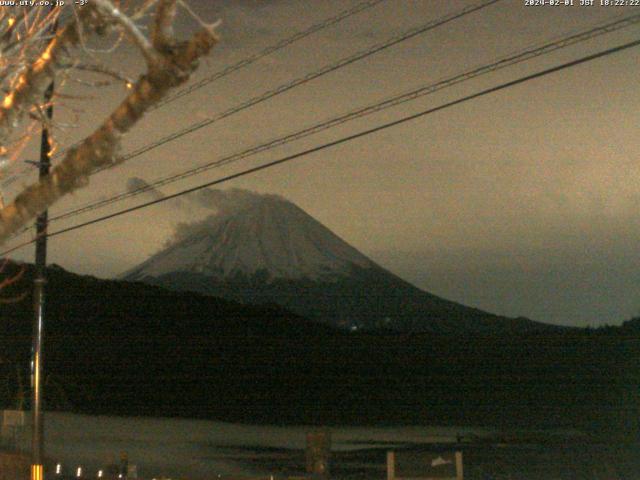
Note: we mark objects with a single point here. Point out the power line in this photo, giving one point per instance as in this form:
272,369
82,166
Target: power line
512,59
345,139
268,51
411,33
407,35
248,61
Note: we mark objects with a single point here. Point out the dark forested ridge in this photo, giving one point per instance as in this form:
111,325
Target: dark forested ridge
115,347
365,299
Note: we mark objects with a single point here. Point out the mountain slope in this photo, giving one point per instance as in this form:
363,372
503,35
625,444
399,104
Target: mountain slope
267,236
264,249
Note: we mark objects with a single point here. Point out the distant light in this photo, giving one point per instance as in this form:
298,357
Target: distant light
58,469
8,101
129,85
99,473
119,475
79,472
11,21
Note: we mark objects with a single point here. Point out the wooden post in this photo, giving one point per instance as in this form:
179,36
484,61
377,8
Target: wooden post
459,471
318,453
391,465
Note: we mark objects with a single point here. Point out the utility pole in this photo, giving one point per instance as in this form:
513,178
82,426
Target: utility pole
39,308
37,424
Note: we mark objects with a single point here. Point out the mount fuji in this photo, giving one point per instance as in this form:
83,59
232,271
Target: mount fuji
263,249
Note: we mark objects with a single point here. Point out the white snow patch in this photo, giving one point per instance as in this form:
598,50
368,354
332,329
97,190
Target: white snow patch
251,234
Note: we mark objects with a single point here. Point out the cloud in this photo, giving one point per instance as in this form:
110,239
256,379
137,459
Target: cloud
137,184
184,230
229,201
222,203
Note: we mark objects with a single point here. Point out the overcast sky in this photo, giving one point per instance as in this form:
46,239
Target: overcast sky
523,202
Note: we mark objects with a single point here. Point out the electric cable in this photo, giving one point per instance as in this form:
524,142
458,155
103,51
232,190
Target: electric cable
285,87
268,51
343,140
504,62
407,35
328,22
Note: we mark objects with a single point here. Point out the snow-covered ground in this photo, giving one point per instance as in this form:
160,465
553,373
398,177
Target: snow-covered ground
198,449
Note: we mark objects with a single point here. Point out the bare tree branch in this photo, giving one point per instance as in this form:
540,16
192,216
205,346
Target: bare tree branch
29,86
170,63
109,11
162,32
100,69
8,281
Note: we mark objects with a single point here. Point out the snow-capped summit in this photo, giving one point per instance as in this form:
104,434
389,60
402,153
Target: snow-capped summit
253,234
264,249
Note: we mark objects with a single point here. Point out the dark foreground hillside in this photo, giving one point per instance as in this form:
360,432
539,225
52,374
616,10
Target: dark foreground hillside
127,348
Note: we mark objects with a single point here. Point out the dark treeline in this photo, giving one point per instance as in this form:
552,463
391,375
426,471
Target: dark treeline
130,349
